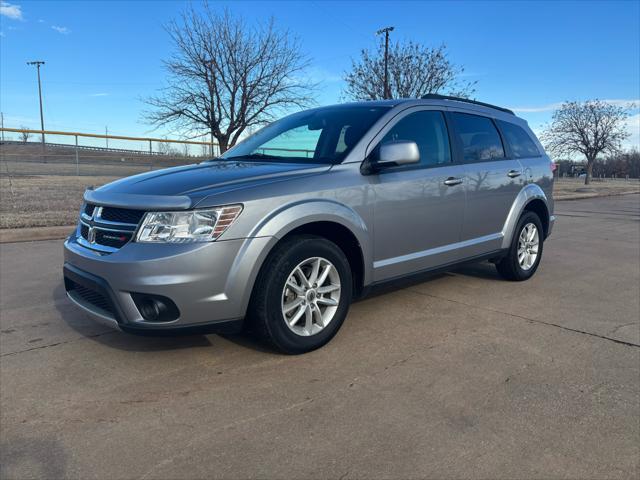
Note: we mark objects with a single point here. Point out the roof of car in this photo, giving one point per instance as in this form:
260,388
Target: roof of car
434,99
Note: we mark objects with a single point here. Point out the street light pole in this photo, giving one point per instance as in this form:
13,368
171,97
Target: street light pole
386,30
37,64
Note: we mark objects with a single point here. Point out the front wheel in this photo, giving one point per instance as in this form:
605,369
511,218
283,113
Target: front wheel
525,252
302,294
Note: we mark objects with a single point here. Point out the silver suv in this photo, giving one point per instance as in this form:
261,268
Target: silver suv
284,230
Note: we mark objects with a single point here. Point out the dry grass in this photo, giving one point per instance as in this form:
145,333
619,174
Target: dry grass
43,201
51,200
574,188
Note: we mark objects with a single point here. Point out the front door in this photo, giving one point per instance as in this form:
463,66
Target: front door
419,208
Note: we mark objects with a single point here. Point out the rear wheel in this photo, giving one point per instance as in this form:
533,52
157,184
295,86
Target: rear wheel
525,252
302,295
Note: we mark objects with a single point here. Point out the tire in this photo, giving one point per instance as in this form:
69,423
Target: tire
274,292
511,267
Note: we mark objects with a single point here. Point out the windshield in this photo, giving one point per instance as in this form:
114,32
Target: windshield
324,135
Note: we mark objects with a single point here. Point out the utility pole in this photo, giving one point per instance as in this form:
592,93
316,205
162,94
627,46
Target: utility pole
386,30
37,64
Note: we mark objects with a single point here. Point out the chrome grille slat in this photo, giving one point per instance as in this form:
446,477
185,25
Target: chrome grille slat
105,235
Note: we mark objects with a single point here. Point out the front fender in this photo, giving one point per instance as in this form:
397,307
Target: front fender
287,218
529,193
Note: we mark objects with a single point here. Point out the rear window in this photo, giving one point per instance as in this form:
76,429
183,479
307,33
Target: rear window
479,137
519,140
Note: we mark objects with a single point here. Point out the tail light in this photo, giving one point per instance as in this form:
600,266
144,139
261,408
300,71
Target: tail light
553,166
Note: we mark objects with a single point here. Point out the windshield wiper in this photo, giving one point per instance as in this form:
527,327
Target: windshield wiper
253,156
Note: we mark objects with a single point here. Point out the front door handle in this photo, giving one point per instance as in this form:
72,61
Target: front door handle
451,181
514,173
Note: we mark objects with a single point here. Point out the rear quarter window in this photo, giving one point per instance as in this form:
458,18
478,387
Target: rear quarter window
519,141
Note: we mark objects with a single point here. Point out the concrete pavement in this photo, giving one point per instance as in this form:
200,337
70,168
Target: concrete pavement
463,375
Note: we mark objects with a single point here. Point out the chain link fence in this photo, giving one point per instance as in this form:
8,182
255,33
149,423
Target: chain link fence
41,183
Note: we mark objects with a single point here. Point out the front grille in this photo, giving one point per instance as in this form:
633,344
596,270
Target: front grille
88,209
107,229
112,239
122,215
91,296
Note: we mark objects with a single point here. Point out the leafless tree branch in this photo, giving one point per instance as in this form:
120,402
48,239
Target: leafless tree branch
24,136
589,128
225,77
414,70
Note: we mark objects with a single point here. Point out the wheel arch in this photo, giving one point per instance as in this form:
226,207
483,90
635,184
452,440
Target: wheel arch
539,207
324,218
531,198
344,239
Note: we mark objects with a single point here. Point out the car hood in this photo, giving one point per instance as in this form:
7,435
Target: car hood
191,183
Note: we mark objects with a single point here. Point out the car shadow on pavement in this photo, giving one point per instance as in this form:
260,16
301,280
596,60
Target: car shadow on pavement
85,326
88,328
484,270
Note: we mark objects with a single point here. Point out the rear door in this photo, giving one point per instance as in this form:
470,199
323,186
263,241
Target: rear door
418,208
520,144
493,181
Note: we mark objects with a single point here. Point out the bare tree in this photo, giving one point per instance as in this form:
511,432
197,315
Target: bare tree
225,77
590,128
414,71
24,136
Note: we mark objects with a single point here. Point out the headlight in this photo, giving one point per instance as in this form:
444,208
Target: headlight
189,226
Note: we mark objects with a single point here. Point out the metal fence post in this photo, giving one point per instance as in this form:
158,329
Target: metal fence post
77,161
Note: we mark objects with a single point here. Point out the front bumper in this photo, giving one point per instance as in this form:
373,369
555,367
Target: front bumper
210,283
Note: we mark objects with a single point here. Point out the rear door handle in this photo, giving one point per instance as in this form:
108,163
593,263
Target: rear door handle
514,173
451,181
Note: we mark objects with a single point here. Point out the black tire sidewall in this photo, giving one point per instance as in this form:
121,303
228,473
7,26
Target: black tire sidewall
521,274
296,252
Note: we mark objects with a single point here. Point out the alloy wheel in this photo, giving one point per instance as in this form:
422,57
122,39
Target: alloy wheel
311,296
528,246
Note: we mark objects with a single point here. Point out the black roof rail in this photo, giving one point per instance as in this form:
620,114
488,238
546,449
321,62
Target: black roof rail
435,96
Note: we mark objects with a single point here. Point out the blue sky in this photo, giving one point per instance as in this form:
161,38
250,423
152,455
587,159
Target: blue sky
102,58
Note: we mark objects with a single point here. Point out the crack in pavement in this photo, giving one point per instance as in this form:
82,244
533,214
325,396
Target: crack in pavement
593,237
599,217
40,347
343,386
621,326
541,322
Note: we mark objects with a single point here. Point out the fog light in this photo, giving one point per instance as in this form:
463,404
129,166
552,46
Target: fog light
155,308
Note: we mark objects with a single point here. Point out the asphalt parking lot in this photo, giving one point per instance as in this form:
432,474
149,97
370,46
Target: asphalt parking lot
462,375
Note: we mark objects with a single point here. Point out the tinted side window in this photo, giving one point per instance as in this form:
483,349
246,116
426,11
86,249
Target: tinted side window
479,137
519,141
428,129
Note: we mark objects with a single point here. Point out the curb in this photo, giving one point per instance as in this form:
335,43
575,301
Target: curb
14,235
584,196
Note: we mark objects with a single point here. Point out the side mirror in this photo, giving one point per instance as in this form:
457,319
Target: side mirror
390,154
